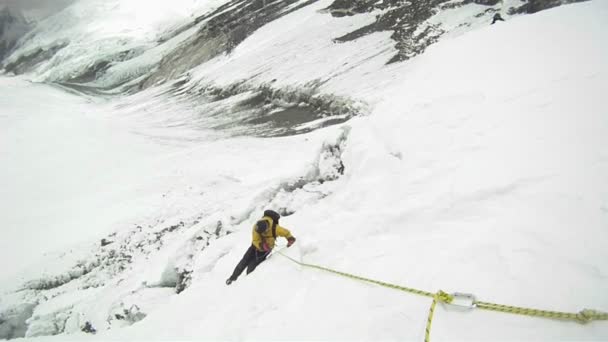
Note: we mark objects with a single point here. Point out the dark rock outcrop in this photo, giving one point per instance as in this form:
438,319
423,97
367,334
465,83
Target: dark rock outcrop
409,19
26,62
224,29
533,6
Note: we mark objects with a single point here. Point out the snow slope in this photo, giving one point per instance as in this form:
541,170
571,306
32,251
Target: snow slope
481,168
488,178
59,159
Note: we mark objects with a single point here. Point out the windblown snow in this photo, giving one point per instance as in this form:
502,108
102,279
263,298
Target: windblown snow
479,166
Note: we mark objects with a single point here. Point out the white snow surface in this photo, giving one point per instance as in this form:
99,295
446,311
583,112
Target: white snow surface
482,168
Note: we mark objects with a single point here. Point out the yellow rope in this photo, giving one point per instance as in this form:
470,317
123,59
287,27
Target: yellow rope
352,276
438,297
584,316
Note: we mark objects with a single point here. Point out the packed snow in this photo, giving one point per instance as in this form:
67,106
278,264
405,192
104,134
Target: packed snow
480,168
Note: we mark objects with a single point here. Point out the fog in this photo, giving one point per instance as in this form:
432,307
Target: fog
36,8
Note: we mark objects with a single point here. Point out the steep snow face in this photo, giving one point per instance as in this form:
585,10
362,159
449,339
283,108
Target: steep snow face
480,168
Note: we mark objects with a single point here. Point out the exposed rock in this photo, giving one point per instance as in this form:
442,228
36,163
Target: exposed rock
409,20
533,6
184,279
27,62
99,67
224,29
264,110
218,229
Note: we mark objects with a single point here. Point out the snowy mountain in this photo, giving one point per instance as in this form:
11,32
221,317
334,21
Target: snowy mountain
109,43
12,27
117,47
37,10
17,17
410,142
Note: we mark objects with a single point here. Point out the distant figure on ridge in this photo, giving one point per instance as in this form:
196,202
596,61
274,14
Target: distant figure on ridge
265,232
496,18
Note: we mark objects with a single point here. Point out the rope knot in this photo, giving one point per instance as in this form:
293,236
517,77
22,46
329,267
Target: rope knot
587,315
444,297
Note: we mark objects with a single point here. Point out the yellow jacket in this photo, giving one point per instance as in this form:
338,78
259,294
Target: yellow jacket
258,239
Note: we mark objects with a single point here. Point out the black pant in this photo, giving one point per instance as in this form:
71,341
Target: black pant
497,19
251,260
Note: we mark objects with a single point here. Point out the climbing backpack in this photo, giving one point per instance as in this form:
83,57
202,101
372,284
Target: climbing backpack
275,221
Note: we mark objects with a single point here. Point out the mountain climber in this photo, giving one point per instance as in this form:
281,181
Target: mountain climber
496,18
265,232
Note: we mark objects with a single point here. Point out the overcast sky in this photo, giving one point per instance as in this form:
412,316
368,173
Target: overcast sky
38,8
